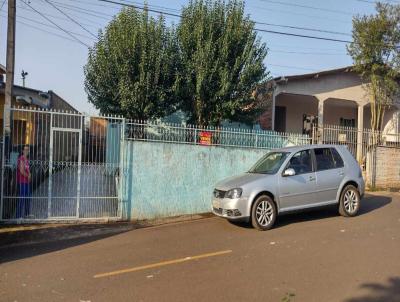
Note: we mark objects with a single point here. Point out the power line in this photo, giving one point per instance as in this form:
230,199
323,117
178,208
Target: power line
304,28
297,47
309,7
94,24
307,53
55,24
131,2
47,25
258,29
42,30
336,20
85,11
176,15
298,35
142,8
151,5
4,1
70,18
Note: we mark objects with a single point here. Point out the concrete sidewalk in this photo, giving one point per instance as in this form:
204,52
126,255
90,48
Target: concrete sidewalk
34,234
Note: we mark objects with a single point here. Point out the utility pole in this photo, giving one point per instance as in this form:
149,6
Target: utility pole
10,64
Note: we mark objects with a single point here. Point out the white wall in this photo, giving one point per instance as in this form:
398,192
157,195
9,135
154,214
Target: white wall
296,106
333,113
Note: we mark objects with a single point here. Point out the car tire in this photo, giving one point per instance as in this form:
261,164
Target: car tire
349,203
263,213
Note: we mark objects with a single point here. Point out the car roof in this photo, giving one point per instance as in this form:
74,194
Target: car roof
305,147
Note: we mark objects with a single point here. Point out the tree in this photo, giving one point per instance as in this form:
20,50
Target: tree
375,52
222,60
133,68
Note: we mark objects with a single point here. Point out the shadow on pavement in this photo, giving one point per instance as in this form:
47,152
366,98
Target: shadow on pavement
389,292
25,244
373,202
369,204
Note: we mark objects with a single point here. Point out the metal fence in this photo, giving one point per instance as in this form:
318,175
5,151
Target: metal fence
212,136
360,142
76,162
74,166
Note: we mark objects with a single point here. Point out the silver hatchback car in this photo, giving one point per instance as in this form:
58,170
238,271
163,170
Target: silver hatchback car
291,179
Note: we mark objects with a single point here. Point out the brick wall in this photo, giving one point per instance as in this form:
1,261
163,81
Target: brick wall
387,168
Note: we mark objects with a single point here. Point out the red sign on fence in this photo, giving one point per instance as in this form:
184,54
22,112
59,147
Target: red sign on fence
205,138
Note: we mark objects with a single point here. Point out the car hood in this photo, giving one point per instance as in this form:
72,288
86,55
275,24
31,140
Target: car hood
238,181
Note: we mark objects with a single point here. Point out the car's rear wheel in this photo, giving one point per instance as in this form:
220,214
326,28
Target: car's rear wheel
263,213
349,202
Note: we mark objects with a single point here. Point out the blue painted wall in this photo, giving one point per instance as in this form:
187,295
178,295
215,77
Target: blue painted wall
163,179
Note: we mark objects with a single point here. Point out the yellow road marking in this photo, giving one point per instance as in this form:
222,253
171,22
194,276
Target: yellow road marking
163,263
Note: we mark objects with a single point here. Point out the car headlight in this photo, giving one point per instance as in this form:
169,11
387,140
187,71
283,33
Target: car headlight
234,193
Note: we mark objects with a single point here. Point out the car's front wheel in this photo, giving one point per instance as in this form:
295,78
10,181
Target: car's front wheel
263,213
349,202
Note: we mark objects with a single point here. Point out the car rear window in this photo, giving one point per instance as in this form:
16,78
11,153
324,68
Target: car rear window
324,159
337,158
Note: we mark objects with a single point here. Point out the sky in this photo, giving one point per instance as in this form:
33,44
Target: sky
54,60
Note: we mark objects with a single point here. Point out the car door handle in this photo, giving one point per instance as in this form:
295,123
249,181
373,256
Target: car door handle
312,178
341,173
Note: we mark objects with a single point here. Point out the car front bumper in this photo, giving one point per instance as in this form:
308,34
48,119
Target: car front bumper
235,209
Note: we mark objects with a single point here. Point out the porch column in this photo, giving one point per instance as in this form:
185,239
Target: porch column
320,121
360,129
273,110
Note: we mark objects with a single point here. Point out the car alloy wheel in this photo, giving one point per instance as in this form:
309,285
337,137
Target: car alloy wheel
263,213
349,203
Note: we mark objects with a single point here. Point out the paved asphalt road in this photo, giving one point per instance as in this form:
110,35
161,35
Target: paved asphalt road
315,256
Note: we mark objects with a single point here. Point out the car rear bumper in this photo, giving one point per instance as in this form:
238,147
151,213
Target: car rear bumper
361,185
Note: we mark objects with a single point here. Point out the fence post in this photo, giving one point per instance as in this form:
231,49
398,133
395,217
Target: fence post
121,169
2,163
195,136
359,145
373,167
78,188
49,192
320,134
314,134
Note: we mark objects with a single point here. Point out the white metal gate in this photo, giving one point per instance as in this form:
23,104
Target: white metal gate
74,162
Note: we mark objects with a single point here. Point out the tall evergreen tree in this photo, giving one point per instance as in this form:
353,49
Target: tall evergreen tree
133,68
222,60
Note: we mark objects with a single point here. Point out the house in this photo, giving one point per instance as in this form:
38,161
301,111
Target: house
332,97
336,97
27,97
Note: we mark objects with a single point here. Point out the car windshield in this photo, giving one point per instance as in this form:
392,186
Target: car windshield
270,163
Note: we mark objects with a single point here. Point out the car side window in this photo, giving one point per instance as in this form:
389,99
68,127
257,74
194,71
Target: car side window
301,162
337,158
324,159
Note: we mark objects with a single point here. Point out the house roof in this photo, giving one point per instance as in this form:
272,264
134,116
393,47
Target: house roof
314,74
2,69
43,99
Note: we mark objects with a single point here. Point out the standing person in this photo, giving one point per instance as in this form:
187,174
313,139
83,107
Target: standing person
23,180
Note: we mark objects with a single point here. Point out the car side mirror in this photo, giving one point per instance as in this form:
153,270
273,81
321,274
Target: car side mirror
289,172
